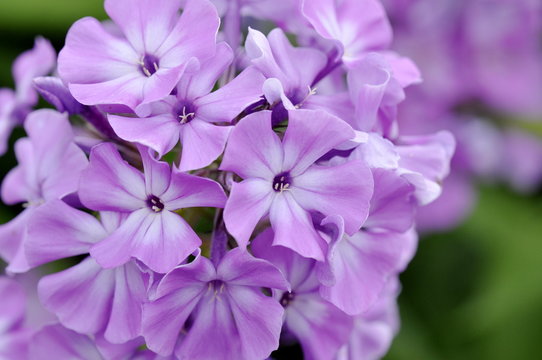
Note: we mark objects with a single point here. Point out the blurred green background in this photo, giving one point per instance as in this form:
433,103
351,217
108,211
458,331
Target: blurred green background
473,293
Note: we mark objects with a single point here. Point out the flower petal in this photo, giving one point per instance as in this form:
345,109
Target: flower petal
128,298
80,296
238,267
160,240
294,228
202,143
160,133
187,191
58,231
254,150
122,187
60,343
249,201
311,134
343,190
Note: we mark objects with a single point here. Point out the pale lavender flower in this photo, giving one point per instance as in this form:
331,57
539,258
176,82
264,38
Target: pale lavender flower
320,326
144,62
282,180
190,115
225,303
152,232
50,165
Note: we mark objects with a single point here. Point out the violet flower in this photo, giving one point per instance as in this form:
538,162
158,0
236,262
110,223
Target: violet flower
225,303
146,61
152,232
191,113
320,327
50,165
282,180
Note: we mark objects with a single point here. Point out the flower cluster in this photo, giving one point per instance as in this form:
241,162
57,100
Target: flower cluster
215,191
482,67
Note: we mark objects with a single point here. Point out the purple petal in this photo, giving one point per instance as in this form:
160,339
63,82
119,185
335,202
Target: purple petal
367,83
288,218
160,240
92,55
187,191
122,186
160,133
258,320
228,101
393,204
275,57
128,298
58,231
54,91
157,173
80,296
19,185
249,201
320,327
194,35
362,264
253,149
60,343
32,63
13,233
145,23
360,26
202,143
311,134
200,83
177,295
287,261
13,307
238,267
343,190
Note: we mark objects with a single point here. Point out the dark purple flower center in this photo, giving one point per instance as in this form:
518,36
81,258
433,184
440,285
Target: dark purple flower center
287,298
217,286
282,182
149,65
155,204
184,111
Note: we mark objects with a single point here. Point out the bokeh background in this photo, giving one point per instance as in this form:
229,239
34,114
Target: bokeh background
471,293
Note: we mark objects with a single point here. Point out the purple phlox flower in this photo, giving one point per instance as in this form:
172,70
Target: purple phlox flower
15,105
320,327
58,342
13,335
357,26
152,232
50,165
374,330
145,63
282,180
190,114
225,303
85,298
291,73
358,267
376,86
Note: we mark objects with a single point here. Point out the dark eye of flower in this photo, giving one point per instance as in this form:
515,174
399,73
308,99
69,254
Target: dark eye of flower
185,112
217,286
149,65
155,204
282,182
287,298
